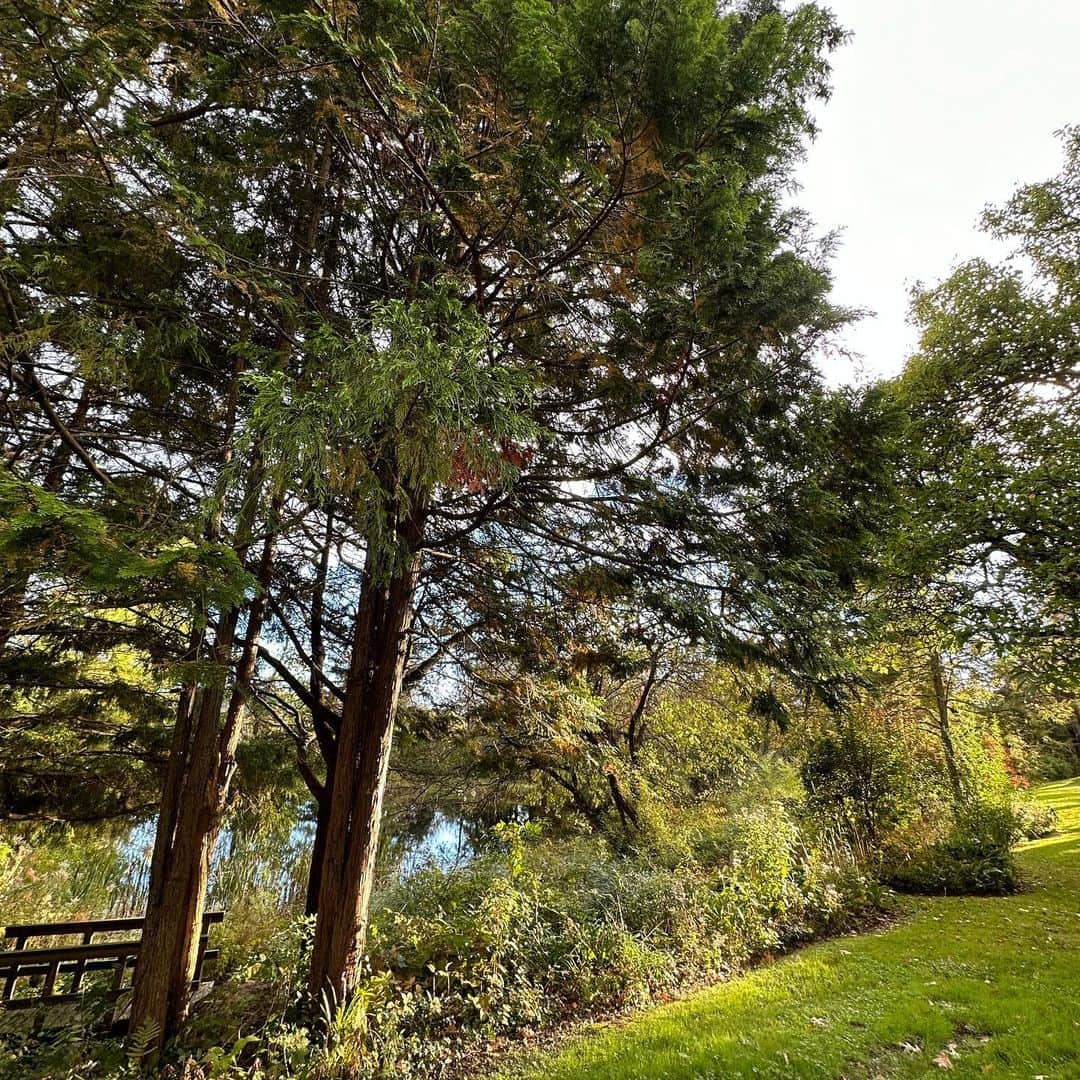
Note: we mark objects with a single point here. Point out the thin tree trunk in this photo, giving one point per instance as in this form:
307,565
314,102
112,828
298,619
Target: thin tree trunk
325,736
627,814
941,701
318,847
635,732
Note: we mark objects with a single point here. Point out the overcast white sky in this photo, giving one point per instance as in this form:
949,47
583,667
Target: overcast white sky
939,107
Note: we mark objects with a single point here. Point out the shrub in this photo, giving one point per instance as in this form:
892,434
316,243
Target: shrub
1036,820
531,932
975,855
534,930
857,778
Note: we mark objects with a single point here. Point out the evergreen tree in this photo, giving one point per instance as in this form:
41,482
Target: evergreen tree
418,312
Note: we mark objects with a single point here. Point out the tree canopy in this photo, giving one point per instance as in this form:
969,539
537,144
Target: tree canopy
456,363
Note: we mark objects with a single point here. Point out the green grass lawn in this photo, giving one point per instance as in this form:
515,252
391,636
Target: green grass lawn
987,987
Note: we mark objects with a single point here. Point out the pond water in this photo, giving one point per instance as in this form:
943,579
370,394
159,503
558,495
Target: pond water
102,871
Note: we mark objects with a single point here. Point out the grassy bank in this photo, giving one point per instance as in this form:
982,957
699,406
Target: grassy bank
974,987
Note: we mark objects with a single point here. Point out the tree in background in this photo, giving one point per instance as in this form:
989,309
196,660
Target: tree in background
993,394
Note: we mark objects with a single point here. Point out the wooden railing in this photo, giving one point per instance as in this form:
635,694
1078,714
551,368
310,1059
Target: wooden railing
67,964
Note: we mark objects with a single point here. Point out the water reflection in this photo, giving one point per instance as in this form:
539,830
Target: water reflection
93,872
446,844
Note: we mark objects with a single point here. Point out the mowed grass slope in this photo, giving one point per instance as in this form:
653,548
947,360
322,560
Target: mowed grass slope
961,987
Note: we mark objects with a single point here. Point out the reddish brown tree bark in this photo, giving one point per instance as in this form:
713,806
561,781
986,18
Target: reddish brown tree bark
362,757
201,766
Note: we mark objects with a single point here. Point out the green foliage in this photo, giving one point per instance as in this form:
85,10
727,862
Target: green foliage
994,446
405,405
91,614
532,931
507,292
967,987
974,856
59,872
43,533
1035,820
523,937
858,777
1040,725
931,808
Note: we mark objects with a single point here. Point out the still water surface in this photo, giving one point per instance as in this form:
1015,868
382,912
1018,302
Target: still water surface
94,871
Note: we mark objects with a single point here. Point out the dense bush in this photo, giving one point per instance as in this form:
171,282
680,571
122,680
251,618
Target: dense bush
529,933
858,777
1035,820
974,855
930,810
538,931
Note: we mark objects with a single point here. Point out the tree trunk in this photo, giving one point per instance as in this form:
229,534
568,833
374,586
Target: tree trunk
941,700
628,816
179,873
201,766
318,847
356,787
325,724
